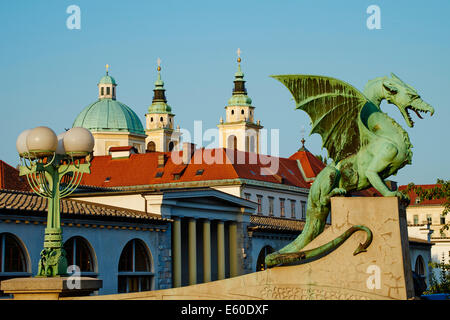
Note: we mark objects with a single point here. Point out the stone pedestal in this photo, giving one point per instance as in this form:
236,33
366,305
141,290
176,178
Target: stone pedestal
50,288
383,272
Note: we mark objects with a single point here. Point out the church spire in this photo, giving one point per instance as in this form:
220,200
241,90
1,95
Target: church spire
239,82
159,91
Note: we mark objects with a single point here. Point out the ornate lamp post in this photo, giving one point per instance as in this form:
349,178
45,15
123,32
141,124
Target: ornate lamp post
54,166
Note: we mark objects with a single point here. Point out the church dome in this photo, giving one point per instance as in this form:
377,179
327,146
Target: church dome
109,115
107,79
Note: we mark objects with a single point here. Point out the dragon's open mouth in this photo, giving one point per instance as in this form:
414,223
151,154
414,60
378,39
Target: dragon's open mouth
417,111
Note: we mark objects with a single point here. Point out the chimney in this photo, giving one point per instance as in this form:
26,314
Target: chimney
161,160
122,152
188,151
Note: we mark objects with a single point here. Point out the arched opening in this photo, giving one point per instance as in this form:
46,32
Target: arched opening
420,266
252,144
232,142
171,145
135,273
260,262
102,91
13,258
80,253
242,111
151,146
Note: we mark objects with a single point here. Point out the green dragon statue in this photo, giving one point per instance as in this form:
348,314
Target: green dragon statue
366,145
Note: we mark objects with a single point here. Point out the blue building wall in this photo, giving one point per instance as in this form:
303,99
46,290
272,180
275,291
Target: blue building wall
106,244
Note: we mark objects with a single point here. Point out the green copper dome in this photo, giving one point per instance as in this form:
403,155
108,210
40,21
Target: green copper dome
108,115
240,100
107,79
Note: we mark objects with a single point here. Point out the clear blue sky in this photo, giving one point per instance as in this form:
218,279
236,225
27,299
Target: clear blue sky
49,73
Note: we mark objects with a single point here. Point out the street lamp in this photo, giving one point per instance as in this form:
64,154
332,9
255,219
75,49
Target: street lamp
54,166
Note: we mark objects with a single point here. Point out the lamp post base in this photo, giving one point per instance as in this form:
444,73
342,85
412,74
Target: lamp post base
53,262
53,288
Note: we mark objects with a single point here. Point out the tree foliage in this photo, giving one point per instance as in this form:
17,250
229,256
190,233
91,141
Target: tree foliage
440,191
441,285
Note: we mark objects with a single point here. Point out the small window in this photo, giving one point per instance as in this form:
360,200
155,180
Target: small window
247,196
303,204
259,197
232,111
151,119
102,90
442,219
429,219
416,219
107,91
270,206
281,207
176,176
114,91
199,172
242,111
293,209
161,119
159,174
107,179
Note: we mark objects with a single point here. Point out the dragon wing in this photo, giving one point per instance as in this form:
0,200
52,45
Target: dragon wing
333,107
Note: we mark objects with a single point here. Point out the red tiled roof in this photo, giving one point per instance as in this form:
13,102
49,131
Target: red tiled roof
310,164
30,203
10,179
141,169
413,195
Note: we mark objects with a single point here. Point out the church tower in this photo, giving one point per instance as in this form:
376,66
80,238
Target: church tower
240,131
160,132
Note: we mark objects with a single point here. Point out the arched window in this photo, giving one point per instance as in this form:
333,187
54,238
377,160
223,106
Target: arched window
260,262
13,258
252,144
135,268
79,253
420,266
107,91
102,91
232,142
161,119
232,111
151,146
171,145
242,111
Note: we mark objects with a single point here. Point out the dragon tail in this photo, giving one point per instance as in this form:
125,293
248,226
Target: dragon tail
287,258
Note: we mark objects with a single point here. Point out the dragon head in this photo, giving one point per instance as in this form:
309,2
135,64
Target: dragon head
405,98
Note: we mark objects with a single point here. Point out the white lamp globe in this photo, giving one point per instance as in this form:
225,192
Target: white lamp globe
21,143
60,149
78,142
42,141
